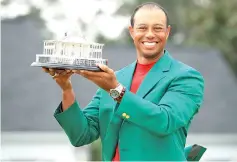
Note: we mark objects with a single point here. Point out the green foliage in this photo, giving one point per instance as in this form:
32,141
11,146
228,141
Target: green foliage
215,25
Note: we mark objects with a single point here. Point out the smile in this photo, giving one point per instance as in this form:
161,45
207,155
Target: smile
149,44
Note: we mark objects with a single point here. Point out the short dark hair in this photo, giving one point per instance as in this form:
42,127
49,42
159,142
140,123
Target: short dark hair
148,4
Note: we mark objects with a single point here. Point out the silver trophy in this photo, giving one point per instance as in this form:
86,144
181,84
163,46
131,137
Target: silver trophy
72,52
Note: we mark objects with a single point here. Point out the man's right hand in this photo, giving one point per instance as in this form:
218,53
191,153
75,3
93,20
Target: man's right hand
62,77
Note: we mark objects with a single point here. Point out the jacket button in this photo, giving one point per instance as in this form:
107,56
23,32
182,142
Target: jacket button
127,116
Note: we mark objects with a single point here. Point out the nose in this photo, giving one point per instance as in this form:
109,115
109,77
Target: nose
150,34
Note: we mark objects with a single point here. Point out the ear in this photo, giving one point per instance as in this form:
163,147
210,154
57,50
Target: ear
168,32
131,31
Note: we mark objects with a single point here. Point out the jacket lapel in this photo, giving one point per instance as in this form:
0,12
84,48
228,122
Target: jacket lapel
157,72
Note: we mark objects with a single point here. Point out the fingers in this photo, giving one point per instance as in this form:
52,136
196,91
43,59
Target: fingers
52,72
105,68
45,69
89,74
69,73
56,73
64,74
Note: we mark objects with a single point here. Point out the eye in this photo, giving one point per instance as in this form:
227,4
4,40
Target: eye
142,28
158,29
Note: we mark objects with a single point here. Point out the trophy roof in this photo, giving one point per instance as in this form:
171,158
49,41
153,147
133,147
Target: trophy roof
74,39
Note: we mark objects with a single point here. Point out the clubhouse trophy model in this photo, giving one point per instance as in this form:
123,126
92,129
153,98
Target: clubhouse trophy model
72,52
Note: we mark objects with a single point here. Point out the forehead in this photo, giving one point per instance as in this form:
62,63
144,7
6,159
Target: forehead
150,16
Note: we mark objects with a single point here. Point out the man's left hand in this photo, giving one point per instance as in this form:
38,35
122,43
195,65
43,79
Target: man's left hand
105,79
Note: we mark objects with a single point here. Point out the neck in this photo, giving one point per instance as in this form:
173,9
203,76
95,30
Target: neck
144,60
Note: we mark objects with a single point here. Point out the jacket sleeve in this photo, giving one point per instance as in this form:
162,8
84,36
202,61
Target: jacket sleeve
176,108
81,126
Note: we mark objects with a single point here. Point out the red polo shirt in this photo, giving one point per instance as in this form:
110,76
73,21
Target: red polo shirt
139,74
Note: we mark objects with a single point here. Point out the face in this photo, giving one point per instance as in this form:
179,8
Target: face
150,32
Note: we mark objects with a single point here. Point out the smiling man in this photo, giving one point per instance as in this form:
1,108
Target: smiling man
150,31
143,111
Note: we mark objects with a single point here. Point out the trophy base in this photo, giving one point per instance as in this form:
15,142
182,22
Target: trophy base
66,66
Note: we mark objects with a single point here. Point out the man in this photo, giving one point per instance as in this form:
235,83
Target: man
143,111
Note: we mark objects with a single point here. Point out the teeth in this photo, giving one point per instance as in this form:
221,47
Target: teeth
149,43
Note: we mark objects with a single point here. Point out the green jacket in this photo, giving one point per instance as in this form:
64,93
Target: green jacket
150,125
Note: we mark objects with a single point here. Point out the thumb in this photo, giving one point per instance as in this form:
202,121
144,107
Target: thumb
104,68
